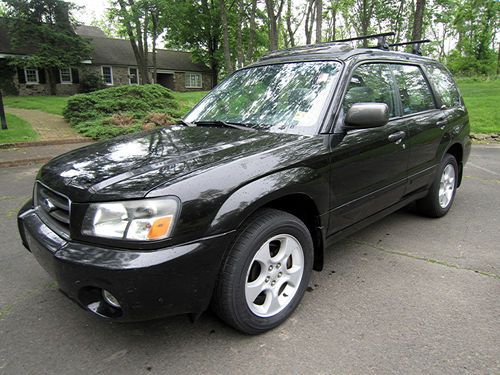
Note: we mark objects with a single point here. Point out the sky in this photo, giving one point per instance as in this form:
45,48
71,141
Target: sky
91,9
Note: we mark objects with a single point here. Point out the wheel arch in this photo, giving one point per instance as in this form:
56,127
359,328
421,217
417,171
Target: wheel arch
457,151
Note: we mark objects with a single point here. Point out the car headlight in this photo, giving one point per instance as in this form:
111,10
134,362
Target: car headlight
141,220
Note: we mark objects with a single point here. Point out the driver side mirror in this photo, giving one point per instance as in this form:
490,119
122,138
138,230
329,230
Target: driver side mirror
367,115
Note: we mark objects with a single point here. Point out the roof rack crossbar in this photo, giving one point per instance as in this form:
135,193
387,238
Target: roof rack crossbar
373,36
416,44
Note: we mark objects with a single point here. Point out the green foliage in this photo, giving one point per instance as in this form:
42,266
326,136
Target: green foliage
7,74
118,110
18,130
45,29
91,81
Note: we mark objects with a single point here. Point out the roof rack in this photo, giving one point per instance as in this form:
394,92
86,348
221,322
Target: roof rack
416,45
381,39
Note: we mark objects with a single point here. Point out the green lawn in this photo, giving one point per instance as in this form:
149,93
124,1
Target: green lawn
481,99
18,130
187,100
50,104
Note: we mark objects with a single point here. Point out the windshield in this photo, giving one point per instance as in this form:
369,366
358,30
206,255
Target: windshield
281,98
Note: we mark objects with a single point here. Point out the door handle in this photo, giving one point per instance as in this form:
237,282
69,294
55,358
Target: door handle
396,137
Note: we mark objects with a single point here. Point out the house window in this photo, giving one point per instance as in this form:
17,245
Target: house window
133,79
193,80
107,75
65,75
31,76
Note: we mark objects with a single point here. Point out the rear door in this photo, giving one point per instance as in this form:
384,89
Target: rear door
368,170
425,121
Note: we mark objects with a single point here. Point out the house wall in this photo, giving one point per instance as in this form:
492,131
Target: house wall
120,77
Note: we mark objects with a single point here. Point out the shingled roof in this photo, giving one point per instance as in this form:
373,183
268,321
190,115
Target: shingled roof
111,51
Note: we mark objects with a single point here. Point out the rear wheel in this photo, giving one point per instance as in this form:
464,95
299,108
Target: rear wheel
266,273
441,195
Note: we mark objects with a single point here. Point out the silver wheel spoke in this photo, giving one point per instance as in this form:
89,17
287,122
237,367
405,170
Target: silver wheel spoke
275,279
446,186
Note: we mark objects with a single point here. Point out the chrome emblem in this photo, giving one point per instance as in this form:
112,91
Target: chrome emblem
49,206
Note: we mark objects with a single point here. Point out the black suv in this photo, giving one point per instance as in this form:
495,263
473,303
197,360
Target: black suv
234,206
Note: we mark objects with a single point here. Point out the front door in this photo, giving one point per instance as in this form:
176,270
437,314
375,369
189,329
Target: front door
369,166
166,80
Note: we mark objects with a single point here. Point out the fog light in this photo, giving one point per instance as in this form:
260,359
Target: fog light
111,299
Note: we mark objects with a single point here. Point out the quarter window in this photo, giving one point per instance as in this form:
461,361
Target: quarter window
31,76
132,76
65,75
371,83
444,85
107,75
415,93
193,80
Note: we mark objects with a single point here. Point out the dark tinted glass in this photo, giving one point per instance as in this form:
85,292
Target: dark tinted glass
444,86
416,95
371,83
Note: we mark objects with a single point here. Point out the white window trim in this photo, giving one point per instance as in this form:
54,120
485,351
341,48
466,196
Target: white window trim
110,71
26,77
136,75
188,81
70,82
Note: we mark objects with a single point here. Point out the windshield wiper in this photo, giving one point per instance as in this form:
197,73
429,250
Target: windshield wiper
226,124
185,123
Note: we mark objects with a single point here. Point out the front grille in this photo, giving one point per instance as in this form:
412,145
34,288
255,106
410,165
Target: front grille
53,208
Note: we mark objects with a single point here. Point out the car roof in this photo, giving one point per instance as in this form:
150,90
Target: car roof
336,51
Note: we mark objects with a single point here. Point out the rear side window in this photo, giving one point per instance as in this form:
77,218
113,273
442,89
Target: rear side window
371,83
444,85
416,95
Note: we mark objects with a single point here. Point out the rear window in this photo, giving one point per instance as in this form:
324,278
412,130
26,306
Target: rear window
444,86
416,95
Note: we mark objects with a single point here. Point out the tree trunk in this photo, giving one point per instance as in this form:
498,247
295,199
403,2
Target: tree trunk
319,20
52,80
239,36
225,37
251,35
418,20
288,21
273,22
309,21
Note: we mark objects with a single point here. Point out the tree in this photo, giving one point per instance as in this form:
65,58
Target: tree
319,20
274,9
418,20
46,28
135,17
225,36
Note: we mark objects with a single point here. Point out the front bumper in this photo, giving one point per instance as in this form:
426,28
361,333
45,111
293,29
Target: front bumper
148,284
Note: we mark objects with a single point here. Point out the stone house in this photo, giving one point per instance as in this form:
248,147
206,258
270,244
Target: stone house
112,59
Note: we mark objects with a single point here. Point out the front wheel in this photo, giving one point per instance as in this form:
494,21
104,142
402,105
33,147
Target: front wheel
441,195
266,273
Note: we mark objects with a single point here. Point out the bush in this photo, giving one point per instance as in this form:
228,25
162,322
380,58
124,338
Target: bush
121,110
91,81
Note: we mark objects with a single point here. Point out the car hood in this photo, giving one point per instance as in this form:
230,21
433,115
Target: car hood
131,166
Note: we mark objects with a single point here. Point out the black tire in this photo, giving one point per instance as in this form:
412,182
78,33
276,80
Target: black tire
229,301
429,205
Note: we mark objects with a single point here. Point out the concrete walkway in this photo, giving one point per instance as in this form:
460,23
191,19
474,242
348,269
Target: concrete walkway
48,126
36,154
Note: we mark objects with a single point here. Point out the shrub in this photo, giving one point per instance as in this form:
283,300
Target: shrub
91,81
120,110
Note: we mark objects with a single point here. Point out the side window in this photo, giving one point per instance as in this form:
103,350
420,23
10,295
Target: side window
371,83
416,95
444,85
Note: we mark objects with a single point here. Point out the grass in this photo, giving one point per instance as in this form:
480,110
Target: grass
481,99
18,130
49,104
187,100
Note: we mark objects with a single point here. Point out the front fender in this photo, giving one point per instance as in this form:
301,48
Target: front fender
256,194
